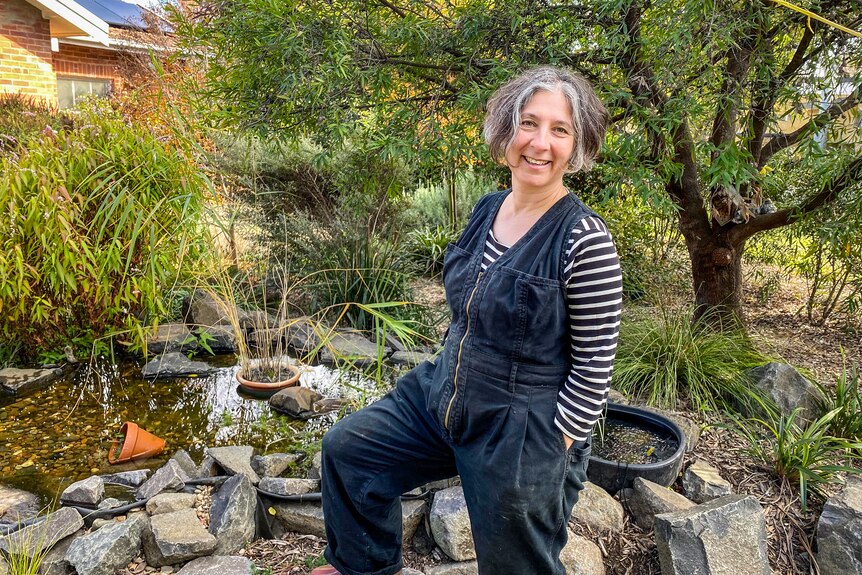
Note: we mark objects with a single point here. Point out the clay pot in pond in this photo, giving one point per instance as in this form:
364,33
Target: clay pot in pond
248,382
138,443
634,442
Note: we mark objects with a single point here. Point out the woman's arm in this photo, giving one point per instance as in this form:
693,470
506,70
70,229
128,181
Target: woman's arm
594,296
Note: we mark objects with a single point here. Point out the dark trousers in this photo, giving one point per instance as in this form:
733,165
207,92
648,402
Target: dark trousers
519,482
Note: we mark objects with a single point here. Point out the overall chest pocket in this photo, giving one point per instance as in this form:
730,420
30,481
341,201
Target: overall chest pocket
522,317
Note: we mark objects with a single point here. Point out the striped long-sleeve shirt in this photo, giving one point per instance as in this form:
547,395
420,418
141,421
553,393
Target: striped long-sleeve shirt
594,296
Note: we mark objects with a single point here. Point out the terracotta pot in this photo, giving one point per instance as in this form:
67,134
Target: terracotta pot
137,444
260,386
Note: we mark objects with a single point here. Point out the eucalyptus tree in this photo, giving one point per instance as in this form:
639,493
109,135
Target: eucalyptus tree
717,105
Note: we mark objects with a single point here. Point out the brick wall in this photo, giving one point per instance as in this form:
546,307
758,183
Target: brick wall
25,51
86,62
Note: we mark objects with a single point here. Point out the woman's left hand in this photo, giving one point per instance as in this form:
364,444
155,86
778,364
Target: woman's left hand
568,441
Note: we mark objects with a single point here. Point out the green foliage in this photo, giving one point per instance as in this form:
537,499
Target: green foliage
26,549
429,205
808,456
428,247
845,403
102,219
23,118
668,359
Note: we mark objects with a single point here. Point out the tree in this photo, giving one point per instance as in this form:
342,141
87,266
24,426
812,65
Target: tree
704,95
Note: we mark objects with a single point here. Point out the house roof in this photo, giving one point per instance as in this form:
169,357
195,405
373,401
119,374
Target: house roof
70,18
116,13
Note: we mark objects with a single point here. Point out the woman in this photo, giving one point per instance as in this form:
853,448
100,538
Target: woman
534,288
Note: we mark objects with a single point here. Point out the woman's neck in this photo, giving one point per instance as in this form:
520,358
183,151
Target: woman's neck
534,201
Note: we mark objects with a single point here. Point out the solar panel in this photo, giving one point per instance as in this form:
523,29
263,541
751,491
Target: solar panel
115,12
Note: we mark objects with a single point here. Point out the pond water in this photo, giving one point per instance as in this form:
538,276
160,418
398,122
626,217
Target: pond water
62,434
627,442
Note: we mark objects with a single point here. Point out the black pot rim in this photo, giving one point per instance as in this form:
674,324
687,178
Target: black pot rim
654,418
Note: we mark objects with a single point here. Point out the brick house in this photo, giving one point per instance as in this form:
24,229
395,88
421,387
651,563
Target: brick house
61,50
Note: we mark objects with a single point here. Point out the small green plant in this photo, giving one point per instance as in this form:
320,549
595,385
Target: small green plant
428,247
807,456
846,404
25,549
669,359
226,418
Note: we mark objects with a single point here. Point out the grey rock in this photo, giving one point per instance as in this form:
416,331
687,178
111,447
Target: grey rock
175,538
267,338
450,524
170,502
647,499
169,477
788,389
702,482
301,334
839,531
582,557
329,404
174,364
217,565
314,469
726,536
202,309
54,561
615,396
110,503
209,467
274,464
87,491
232,514
100,522
459,568
171,337
17,504
305,518
690,428
598,510
219,338
110,548
409,358
127,478
185,461
289,485
34,539
235,459
296,401
409,571
15,381
352,347
412,513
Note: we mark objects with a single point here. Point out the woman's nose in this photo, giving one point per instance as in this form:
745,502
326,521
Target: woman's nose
541,139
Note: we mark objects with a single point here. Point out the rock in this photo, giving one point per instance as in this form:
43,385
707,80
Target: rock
296,401
169,477
127,478
218,565
17,505
185,461
176,537
351,347
409,571
209,467
460,568
409,358
788,389
598,510
314,470
100,522
301,335
174,364
690,429
110,548
15,381
36,538
839,531
726,536
86,491
110,503
289,485
647,499
701,482
274,464
54,561
450,524
171,337
305,518
170,502
232,514
204,310
582,557
218,338
267,338
235,459
615,396
412,513
329,404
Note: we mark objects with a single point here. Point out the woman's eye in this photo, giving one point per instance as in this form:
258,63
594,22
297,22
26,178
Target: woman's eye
561,130
528,123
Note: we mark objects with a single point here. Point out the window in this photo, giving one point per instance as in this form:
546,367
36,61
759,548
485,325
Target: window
70,91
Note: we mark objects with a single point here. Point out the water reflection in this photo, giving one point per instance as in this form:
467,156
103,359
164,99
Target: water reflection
62,434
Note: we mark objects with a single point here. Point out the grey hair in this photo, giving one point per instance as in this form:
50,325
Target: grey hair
589,116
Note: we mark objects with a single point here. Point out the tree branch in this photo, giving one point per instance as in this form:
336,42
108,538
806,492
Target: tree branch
851,175
783,141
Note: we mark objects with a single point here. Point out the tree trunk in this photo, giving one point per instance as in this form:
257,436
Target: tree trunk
716,270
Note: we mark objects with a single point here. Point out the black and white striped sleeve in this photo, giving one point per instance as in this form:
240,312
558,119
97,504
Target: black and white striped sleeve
594,296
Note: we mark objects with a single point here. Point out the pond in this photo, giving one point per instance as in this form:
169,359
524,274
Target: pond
61,434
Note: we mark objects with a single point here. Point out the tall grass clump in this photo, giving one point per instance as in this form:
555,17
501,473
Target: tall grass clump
101,219
845,403
667,360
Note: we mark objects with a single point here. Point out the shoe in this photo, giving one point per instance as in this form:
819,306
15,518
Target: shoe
325,570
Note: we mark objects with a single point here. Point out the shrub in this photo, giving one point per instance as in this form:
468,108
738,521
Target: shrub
428,247
668,359
429,205
845,404
101,219
23,118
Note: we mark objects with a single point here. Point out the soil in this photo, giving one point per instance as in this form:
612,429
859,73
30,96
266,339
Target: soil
777,321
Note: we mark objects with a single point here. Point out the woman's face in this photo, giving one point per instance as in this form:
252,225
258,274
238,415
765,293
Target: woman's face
539,154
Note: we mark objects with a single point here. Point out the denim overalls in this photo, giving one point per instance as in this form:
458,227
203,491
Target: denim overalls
484,409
